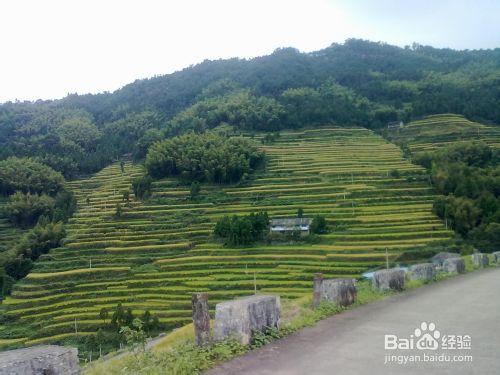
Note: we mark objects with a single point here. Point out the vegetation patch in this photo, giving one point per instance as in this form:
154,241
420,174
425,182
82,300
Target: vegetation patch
204,157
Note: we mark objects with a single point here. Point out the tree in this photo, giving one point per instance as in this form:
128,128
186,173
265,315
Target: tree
142,186
118,211
300,213
135,335
126,196
318,225
242,230
24,210
28,176
204,157
103,314
194,190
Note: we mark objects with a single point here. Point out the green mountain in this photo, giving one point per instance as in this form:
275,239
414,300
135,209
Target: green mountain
356,83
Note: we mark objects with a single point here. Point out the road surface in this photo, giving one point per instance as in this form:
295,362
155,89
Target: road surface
353,342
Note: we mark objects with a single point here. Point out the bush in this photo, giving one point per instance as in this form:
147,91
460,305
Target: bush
205,157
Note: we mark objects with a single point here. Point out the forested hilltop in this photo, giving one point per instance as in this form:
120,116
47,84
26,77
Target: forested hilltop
355,83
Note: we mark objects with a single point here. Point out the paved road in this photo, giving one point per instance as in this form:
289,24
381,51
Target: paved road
353,342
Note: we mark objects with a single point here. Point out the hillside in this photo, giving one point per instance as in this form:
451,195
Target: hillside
358,83
161,250
437,131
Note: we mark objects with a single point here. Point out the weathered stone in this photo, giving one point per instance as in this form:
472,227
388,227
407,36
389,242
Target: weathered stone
393,278
241,317
454,265
201,318
496,256
480,260
341,291
439,258
40,360
317,282
423,271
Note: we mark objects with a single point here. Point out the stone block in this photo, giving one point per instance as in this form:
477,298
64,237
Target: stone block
496,256
454,265
439,258
241,317
40,360
393,278
341,291
480,260
423,271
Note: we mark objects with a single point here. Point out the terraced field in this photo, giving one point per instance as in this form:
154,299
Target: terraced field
440,130
161,250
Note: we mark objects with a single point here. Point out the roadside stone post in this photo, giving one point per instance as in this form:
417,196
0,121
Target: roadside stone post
454,265
422,271
242,317
317,283
393,278
201,318
480,260
496,257
340,291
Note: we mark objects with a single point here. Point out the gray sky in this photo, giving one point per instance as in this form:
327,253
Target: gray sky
54,47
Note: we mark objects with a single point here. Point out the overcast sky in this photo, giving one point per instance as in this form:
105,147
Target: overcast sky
51,48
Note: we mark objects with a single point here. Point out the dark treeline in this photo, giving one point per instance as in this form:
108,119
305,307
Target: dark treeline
468,177
355,83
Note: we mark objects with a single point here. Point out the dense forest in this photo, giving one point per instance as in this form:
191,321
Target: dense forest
354,83
468,177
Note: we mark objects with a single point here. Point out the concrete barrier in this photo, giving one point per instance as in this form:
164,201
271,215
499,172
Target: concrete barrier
40,360
480,260
239,318
393,278
454,265
423,271
341,291
496,256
